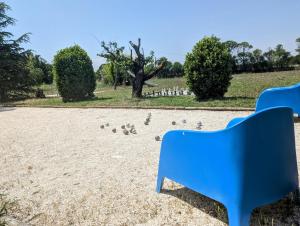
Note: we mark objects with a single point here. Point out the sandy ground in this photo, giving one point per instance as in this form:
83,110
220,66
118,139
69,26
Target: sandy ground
61,168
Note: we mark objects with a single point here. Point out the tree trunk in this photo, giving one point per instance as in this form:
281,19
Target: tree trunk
137,86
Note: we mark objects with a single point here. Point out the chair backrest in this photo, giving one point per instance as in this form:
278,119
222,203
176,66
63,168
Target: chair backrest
268,161
281,96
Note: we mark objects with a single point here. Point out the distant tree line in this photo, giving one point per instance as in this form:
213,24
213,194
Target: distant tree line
242,59
247,59
170,69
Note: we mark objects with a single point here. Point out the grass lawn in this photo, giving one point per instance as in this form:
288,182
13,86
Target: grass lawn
243,91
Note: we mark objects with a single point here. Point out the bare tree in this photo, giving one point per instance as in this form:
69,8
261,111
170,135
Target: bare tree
137,72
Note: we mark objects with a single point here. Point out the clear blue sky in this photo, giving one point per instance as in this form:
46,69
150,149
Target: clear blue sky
168,27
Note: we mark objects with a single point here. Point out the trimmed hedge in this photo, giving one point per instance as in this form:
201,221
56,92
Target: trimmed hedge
208,68
74,74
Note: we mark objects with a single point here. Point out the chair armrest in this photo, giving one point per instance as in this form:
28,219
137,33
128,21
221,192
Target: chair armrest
206,147
235,121
278,96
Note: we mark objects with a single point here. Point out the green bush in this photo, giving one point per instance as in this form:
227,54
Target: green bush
74,74
208,68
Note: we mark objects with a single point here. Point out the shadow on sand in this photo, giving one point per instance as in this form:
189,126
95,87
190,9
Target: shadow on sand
283,212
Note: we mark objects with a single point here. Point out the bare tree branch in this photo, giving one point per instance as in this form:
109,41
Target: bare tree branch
150,84
131,73
139,42
137,50
154,72
106,48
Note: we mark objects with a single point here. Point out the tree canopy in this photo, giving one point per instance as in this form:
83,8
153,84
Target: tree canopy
15,76
116,61
37,63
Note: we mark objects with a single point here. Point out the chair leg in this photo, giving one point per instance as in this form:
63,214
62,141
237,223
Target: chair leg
160,181
238,217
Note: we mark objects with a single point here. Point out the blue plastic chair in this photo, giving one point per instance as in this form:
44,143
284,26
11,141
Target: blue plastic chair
249,164
281,96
